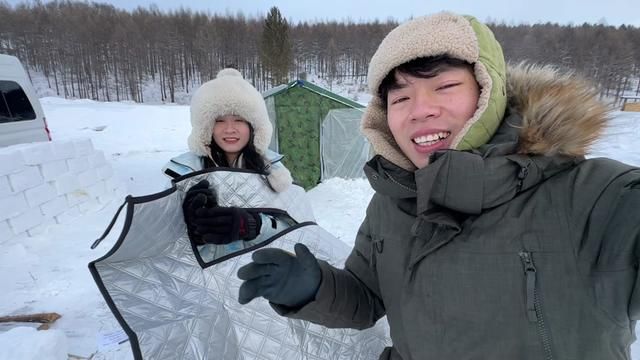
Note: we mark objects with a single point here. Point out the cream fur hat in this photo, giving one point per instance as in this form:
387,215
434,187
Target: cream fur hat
460,37
228,94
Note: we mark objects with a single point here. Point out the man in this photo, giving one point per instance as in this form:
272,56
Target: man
489,235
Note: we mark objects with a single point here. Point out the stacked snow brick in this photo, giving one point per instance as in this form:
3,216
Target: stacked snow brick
51,182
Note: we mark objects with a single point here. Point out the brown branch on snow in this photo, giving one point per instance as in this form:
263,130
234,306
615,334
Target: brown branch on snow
46,319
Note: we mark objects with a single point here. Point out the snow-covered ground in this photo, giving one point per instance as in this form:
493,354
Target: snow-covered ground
48,273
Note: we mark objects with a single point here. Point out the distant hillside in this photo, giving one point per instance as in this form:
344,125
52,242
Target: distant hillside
93,50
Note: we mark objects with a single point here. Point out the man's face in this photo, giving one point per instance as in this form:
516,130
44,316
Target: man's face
425,114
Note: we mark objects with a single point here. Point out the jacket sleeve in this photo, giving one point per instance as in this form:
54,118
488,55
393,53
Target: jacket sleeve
632,206
346,298
612,241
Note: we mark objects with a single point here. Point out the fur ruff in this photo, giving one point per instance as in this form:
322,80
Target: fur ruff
561,113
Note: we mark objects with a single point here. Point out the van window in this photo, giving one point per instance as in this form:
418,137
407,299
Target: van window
14,103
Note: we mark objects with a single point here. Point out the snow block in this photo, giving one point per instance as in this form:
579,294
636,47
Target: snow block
78,164
96,190
84,147
66,184
54,207
51,182
10,162
5,187
111,184
12,205
105,172
90,205
5,231
37,153
42,228
40,194
87,178
53,169
105,199
77,197
25,179
97,159
63,150
26,220
68,215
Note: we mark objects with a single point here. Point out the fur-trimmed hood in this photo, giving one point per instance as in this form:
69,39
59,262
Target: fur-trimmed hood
459,37
561,114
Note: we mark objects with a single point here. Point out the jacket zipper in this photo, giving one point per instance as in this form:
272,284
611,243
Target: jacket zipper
534,309
399,184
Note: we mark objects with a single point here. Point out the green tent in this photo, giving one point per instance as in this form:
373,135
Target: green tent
296,111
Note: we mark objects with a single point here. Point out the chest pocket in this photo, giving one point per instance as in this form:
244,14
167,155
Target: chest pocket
493,281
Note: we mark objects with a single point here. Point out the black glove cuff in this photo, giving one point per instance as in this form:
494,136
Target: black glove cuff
251,227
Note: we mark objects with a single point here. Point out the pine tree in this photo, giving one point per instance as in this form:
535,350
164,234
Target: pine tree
275,49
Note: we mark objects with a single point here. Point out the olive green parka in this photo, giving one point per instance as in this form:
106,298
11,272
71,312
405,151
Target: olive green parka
518,249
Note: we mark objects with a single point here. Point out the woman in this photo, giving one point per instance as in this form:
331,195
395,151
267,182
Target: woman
230,128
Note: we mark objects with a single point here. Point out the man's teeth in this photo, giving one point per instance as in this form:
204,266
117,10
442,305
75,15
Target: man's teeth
431,139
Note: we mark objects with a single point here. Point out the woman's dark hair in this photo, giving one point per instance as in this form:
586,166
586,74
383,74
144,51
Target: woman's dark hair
250,156
424,67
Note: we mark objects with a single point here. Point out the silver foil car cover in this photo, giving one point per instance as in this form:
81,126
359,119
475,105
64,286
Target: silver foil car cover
178,301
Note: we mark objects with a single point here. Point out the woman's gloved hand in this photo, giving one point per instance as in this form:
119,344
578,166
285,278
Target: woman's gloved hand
199,196
208,223
222,225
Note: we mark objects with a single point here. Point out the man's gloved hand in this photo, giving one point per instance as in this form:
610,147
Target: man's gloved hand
197,197
222,225
280,277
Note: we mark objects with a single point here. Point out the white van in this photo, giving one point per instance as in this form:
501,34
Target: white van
21,117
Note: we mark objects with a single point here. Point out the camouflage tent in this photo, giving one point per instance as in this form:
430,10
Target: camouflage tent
297,110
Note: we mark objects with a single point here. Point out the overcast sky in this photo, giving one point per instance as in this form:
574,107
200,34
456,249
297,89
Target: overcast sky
614,12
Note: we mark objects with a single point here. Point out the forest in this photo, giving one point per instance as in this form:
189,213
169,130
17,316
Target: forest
97,51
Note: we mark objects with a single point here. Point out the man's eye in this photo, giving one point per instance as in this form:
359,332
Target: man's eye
447,86
399,100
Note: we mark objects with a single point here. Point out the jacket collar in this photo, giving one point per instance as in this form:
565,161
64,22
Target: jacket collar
468,182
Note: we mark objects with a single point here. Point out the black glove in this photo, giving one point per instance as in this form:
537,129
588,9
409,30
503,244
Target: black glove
222,225
280,277
197,197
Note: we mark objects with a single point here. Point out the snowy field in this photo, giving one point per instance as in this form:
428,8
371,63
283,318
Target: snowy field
49,273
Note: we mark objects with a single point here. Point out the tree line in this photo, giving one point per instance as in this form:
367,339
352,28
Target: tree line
96,51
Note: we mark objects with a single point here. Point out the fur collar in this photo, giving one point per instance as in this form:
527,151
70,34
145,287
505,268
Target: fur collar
561,113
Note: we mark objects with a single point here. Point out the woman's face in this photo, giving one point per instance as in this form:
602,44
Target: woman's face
231,133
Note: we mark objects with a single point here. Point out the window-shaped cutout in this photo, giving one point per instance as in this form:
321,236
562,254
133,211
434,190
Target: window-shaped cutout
275,223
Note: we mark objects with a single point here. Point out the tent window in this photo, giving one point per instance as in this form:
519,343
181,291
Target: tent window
14,103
